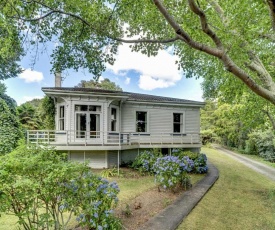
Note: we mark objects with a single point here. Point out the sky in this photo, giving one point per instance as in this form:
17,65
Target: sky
133,72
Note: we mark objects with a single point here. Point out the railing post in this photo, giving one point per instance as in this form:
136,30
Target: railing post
85,133
28,138
172,138
119,138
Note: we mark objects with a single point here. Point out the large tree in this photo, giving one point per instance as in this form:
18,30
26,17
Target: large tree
213,39
11,48
104,84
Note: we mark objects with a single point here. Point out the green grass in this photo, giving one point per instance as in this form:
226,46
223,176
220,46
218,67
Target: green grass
240,199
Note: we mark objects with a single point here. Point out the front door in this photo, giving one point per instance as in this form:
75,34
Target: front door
87,125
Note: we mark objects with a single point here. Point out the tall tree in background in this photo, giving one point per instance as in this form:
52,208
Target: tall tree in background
29,116
11,103
10,129
104,84
213,39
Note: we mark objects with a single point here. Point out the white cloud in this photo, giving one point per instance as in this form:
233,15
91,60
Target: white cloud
31,76
150,83
127,81
27,98
160,70
100,79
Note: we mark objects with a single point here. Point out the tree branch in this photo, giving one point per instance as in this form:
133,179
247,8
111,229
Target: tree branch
271,118
219,10
271,5
257,66
145,40
247,80
85,22
204,24
183,35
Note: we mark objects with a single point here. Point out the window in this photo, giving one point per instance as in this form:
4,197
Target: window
88,121
113,119
141,121
177,122
62,117
91,108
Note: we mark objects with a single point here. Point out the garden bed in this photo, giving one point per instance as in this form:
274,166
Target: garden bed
141,199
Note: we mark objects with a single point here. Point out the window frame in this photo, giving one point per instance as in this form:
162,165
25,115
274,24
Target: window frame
146,121
181,123
87,112
116,120
61,119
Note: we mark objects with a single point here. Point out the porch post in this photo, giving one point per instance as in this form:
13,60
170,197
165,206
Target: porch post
118,162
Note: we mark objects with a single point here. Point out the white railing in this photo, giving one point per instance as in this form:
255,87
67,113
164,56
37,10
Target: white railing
72,137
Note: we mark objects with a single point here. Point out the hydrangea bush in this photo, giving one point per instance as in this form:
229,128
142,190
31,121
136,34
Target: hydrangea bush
171,171
199,159
144,161
201,164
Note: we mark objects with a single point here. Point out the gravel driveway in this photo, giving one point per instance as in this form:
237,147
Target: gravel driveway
255,165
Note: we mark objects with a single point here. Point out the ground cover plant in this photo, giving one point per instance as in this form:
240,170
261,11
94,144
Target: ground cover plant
240,199
45,191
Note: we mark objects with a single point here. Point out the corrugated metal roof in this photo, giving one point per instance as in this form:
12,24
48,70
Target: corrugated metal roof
132,96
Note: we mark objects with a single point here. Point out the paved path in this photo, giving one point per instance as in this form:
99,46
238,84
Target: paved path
255,165
171,217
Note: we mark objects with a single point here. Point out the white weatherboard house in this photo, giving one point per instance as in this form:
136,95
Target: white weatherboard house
108,128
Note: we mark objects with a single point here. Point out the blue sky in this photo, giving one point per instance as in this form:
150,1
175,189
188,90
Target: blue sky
133,72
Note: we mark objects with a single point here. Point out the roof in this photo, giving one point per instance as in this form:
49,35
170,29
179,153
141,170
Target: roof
130,96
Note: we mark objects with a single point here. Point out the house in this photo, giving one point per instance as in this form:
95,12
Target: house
110,127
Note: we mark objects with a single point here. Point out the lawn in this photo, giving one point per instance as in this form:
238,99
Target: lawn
240,199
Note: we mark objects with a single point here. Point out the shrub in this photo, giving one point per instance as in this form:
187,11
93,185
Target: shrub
262,143
106,173
44,190
208,136
251,144
200,164
181,153
171,171
144,162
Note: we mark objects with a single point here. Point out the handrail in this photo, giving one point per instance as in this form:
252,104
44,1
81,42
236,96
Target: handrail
78,137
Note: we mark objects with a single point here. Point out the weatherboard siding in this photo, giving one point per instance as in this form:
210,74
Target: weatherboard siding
112,159
160,119
95,159
192,121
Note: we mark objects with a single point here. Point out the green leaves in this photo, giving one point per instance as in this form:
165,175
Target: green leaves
105,84
44,190
10,129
